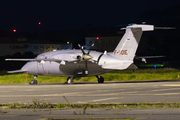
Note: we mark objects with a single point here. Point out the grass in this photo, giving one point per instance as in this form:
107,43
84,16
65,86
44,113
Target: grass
124,75
36,104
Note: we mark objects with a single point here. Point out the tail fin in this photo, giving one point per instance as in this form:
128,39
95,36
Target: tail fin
127,46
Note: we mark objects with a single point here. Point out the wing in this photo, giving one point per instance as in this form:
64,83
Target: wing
17,71
37,60
40,60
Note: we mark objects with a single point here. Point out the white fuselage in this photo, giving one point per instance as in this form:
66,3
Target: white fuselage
70,68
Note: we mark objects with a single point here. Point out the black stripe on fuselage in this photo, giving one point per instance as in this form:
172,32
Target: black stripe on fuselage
99,58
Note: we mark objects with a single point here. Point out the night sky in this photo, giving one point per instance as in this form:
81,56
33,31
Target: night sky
74,14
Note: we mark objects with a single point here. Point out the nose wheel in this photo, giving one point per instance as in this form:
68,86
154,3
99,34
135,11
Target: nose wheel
70,80
34,82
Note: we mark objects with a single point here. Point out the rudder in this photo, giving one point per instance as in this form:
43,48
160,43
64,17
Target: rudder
127,46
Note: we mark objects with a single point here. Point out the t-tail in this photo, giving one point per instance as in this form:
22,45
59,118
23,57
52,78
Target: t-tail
128,45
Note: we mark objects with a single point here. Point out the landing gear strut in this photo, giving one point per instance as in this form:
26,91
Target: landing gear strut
34,82
70,80
100,79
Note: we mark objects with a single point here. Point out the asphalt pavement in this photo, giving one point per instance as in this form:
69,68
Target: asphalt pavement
93,92
109,92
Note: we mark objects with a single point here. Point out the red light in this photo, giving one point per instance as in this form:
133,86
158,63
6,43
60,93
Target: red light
97,38
14,30
39,23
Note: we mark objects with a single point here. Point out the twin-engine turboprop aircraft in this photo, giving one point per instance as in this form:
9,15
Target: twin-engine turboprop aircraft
83,63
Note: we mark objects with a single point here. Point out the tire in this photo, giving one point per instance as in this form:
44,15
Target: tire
101,80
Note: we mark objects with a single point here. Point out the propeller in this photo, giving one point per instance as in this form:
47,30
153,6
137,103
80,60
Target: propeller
85,57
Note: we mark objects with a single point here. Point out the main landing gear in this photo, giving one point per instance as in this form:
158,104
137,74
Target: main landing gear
100,79
70,79
34,82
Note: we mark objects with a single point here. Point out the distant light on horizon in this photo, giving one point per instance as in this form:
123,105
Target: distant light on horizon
14,30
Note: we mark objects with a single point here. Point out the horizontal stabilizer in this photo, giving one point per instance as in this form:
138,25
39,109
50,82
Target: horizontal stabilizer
16,71
137,57
143,58
143,27
166,28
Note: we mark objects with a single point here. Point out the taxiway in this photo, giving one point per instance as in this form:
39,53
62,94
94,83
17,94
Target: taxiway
113,92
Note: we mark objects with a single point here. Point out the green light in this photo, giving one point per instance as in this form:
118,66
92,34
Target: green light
151,65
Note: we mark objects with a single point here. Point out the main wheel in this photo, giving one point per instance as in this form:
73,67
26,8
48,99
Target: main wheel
101,80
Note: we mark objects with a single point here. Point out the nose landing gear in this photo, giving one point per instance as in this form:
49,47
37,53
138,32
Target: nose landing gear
70,80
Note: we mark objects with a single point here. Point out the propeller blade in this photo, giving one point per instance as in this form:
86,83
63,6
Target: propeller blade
90,48
81,49
85,56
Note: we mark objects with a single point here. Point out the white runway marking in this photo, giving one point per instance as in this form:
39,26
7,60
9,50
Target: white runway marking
4,91
168,94
167,89
89,92
172,85
98,100
129,92
92,94
103,99
29,90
